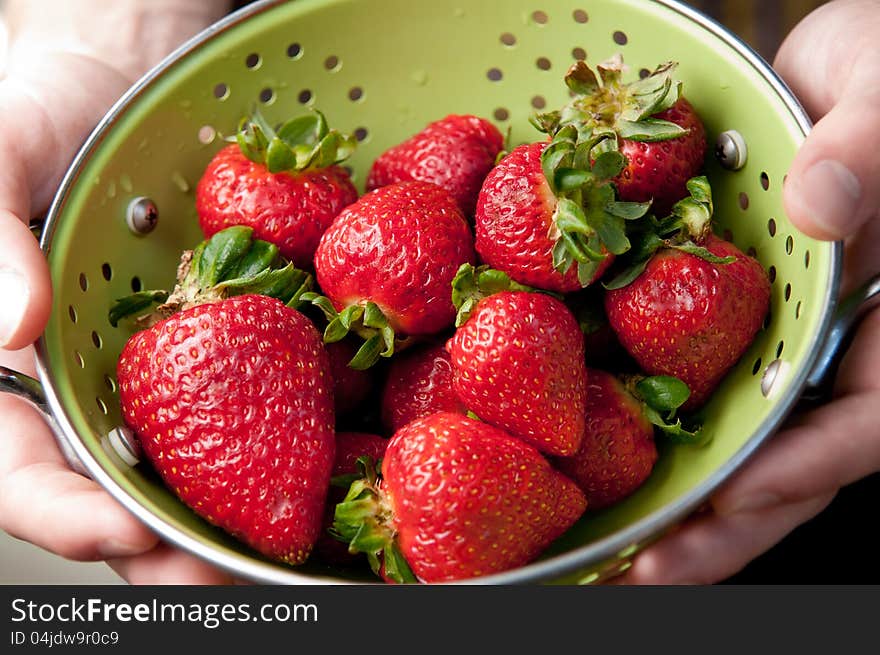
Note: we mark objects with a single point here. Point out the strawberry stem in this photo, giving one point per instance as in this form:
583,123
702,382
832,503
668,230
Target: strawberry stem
471,284
230,263
366,320
302,143
661,396
363,521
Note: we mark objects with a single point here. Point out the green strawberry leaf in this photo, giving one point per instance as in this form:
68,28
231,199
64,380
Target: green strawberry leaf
649,130
609,165
663,392
701,252
135,303
581,80
676,432
626,276
472,284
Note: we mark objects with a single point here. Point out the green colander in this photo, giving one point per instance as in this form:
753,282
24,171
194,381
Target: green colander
382,69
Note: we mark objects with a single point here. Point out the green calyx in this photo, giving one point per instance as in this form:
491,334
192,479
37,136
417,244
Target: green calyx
302,143
230,263
589,222
363,520
366,320
471,284
603,102
687,226
661,396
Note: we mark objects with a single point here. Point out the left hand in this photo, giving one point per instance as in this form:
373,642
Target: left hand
832,62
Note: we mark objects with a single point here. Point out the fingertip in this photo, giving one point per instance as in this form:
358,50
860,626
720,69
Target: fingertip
25,287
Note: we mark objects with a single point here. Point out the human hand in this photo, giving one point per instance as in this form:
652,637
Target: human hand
832,63
57,87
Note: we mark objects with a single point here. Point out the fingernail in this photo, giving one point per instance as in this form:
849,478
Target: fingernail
754,503
831,197
14,296
115,548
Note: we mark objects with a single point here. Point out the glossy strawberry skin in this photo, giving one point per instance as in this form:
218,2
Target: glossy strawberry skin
350,386
349,447
455,153
399,246
689,318
419,384
660,170
468,499
233,406
518,364
290,210
618,452
513,221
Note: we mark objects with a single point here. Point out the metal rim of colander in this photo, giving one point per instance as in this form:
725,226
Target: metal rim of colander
617,546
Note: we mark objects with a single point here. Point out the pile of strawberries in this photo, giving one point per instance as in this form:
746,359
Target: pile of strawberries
447,372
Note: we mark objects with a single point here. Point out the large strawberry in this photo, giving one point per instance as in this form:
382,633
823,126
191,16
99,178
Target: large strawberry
457,499
386,265
690,305
548,216
284,183
350,446
518,364
455,152
618,453
419,383
231,397
653,125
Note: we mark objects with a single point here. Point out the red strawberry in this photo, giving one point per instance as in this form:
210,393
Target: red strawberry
455,153
419,384
286,185
693,308
549,220
458,499
618,452
231,397
350,386
232,404
349,447
655,127
518,364
386,265
659,170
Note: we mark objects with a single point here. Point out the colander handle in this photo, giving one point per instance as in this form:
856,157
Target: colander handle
30,390
849,313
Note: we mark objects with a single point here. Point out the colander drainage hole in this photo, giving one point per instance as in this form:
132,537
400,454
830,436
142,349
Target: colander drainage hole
71,312
294,51
361,133
252,61
110,382
78,358
507,39
771,273
97,341
355,93
332,63
267,95
102,406
771,227
304,96
543,63
797,310
789,245
106,271
221,91
787,293
757,366
538,102
539,17
580,16
743,200
807,259
765,181
779,348
579,54
136,284
644,72
501,114
83,282
620,38
494,74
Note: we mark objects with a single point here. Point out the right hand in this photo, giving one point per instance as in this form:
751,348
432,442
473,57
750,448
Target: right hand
49,101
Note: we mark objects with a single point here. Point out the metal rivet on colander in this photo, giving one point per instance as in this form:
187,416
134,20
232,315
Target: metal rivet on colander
142,215
774,377
731,150
124,444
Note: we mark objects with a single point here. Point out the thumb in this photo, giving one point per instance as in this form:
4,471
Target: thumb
832,63
25,289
